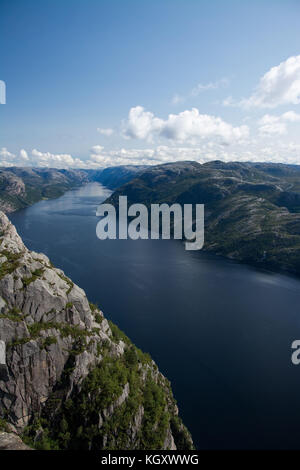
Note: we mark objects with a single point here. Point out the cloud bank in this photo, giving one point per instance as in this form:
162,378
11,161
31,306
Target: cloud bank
192,135
270,125
279,86
39,159
185,126
99,157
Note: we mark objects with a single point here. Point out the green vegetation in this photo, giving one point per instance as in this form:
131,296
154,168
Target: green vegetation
77,422
117,334
112,398
48,341
179,432
44,442
14,314
93,307
35,275
35,184
64,329
98,318
252,210
122,403
95,310
11,264
156,414
68,281
3,425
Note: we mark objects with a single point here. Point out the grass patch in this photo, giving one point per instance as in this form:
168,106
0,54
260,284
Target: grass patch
35,275
14,314
11,264
3,425
68,281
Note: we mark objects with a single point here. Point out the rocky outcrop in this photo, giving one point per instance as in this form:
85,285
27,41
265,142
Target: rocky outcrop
10,441
68,378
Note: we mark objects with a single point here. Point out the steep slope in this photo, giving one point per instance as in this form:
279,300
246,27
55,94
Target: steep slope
252,211
21,187
115,176
68,377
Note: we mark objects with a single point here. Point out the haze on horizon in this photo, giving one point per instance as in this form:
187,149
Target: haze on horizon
93,83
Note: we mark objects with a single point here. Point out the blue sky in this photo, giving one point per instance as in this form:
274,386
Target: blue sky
93,83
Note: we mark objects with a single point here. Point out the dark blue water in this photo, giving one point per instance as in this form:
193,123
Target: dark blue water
221,332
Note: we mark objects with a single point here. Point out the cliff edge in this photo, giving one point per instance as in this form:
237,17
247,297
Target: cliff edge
69,379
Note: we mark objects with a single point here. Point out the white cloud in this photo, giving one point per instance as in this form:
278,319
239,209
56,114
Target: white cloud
103,158
279,86
253,151
105,131
256,150
47,159
191,124
97,149
24,155
177,99
270,124
4,153
7,158
185,126
229,101
200,88
291,116
141,124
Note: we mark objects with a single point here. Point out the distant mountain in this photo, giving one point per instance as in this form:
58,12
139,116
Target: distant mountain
252,210
115,176
21,187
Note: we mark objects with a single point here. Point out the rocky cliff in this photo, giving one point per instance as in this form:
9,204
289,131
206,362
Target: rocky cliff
69,378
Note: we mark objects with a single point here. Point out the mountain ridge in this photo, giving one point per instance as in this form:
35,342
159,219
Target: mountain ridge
21,187
252,210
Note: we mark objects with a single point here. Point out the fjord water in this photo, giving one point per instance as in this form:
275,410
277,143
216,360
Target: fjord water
221,332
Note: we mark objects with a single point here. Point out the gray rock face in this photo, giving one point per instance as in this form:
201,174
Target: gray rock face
2,352
10,441
47,329
38,299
